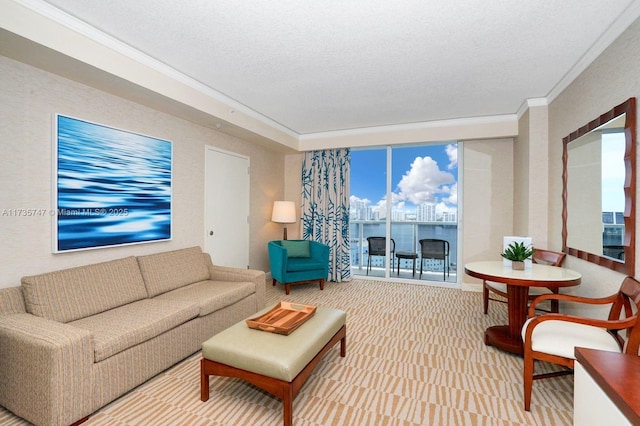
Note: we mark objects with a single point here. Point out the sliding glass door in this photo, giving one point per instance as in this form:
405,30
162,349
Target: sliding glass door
400,196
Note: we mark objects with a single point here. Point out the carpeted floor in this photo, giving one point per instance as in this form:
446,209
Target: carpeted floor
415,356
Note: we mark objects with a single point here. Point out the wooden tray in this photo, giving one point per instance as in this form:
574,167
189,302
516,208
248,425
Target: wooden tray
284,318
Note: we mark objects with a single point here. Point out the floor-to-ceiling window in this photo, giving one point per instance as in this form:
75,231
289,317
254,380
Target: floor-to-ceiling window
400,196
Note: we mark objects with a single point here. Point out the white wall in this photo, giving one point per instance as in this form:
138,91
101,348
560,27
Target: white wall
610,80
488,199
531,177
29,98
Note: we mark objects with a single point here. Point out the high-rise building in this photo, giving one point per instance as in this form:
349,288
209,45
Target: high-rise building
361,210
450,216
397,215
426,212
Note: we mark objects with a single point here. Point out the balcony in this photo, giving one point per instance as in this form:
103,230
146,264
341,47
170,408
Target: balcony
406,235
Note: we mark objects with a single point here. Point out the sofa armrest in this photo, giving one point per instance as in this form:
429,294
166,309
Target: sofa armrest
12,301
45,369
225,273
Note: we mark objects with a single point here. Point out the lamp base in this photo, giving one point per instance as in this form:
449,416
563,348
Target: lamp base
284,237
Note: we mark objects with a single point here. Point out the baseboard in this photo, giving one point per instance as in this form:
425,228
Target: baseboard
477,287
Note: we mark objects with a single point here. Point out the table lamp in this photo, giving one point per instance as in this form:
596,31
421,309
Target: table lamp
284,212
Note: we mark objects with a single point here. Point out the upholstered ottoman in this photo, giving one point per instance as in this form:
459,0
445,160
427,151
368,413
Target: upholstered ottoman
275,363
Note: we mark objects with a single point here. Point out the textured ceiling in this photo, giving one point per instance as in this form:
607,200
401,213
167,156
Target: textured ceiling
347,64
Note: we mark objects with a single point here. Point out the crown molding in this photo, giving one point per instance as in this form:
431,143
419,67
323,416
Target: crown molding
91,33
531,103
496,126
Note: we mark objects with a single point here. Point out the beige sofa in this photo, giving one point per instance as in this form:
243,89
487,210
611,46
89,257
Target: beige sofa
73,340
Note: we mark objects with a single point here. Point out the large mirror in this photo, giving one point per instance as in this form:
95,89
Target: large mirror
599,190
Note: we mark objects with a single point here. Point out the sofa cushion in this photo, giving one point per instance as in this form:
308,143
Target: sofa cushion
169,270
211,295
296,248
303,264
121,328
75,293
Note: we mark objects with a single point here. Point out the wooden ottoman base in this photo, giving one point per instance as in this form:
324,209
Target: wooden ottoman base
287,391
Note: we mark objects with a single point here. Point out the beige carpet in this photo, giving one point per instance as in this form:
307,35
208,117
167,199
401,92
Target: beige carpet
415,356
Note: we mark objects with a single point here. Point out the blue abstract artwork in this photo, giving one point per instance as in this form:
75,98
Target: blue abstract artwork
112,187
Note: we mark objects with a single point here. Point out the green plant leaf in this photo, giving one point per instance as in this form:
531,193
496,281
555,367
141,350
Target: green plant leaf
517,251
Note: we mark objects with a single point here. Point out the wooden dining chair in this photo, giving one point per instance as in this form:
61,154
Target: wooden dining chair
553,337
546,257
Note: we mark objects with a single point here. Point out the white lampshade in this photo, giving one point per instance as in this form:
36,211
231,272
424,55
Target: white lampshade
284,212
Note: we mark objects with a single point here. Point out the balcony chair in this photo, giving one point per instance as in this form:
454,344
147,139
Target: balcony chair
553,337
546,257
378,247
296,262
432,248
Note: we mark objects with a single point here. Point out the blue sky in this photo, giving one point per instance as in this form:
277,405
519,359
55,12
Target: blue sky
427,173
613,172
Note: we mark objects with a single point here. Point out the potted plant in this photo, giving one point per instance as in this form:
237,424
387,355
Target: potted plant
517,253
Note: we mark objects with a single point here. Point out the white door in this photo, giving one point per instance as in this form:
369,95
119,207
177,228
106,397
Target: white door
227,208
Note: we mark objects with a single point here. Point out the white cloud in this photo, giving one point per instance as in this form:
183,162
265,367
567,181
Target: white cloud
452,153
442,207
395,202
353,199
452,198
424,180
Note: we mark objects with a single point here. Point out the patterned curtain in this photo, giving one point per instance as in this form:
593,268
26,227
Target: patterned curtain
325,206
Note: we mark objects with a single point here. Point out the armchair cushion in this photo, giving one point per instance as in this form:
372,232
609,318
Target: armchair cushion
296,248
303,264
561,338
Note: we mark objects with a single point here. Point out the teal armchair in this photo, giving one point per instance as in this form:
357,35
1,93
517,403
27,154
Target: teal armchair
298,262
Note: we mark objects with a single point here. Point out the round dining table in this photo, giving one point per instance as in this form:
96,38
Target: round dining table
508,337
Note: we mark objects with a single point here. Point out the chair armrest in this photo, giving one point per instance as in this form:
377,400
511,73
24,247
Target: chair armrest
277,261
225,273
607,324
45,369
570,298
319,251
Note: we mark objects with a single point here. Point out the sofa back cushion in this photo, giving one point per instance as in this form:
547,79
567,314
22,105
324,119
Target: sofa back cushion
169,270
75,293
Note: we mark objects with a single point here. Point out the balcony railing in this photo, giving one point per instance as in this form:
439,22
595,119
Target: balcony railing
406,235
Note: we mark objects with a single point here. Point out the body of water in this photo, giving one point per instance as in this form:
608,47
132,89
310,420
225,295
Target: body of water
406,236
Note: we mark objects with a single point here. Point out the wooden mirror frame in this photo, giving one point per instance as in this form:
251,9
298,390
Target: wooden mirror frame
629,241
